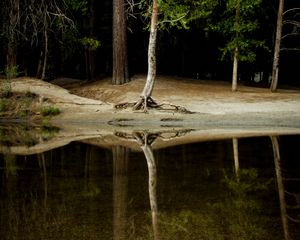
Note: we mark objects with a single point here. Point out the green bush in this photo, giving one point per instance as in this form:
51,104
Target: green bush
50,111
3,105
11,72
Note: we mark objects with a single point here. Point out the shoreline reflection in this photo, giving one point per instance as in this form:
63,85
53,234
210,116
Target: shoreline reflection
208,190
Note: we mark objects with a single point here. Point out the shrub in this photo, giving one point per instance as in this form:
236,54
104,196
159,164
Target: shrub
50,111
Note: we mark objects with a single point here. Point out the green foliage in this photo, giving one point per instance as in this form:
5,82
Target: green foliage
238,24
11,72
90,43
178,13
80,6
49,111
5,88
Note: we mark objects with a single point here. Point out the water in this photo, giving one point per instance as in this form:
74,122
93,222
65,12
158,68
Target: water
200,190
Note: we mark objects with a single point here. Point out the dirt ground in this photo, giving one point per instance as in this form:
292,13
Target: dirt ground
201,96
209,100
88,112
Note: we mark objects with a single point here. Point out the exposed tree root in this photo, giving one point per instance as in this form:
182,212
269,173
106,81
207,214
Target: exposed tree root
144,103
149,103
145,137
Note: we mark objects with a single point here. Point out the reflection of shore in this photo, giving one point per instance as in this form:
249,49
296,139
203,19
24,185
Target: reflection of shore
105,136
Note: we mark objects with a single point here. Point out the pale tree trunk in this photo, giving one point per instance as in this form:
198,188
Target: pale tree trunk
235,70
42,162
145,142
120,62
275,68
236,158
236,50
152,173
280,186
45,54
146,94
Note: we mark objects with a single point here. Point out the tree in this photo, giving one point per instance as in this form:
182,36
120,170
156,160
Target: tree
120,63
11,28
175,13
35,23
148,88
275,68
237,24
295,27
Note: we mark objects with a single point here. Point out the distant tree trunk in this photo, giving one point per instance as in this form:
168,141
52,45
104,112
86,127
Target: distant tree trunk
120,63
90,56
275,68
45,54
14,15
147,91
235,70
236,50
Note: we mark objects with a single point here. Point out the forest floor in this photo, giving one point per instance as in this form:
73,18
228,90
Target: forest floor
198,96
212,102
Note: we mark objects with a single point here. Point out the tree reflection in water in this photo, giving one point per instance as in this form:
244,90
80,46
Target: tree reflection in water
120,186
145,140
209,192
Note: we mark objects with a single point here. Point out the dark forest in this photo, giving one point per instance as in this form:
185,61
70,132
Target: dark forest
80,37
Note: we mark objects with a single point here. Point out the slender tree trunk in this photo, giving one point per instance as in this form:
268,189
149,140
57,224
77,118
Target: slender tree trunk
235,70
14,16
235,145
145,140
148,88
236,50
151,53
275,68
90,52
280,186
39,67
152,173
120,62
45,54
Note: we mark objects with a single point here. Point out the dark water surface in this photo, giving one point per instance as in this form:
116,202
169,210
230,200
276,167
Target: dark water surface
194,191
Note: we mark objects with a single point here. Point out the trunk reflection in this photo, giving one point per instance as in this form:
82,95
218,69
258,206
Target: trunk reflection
280,185
120,186
145,140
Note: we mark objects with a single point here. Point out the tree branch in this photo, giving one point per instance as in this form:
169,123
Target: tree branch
175,20
289,34
292,22
290,49
291,10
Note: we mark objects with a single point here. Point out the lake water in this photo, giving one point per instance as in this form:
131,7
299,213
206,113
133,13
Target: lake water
246,188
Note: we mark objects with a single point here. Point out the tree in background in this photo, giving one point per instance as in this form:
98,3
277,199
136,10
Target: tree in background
294,29
11,25
238,24
120,63
275,68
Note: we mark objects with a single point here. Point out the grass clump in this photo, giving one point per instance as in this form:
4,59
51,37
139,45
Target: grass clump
49,111
3,105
